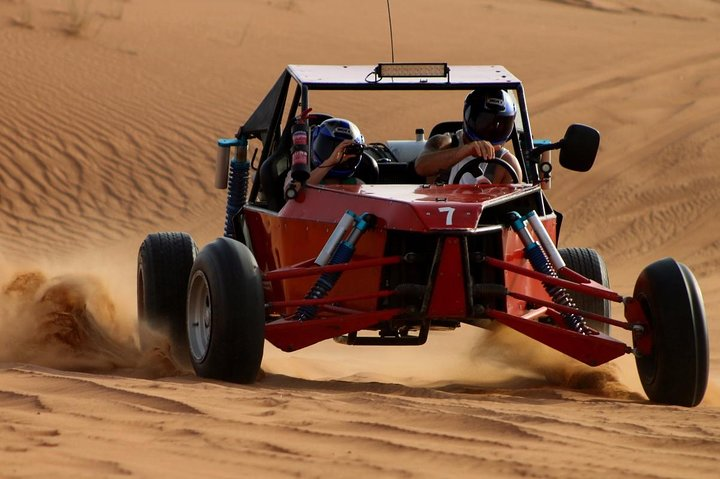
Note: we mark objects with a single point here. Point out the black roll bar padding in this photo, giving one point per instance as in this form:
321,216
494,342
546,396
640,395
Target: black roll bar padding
272,135
531,174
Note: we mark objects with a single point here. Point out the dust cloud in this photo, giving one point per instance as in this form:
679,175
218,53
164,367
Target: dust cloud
71,322
511,350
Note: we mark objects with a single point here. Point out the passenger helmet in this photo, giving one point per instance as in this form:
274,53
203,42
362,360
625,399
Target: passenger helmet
326,136
489,115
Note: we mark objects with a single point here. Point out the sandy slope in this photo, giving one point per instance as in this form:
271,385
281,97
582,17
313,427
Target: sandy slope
108,135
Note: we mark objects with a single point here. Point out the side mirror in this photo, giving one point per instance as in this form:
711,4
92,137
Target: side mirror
579,147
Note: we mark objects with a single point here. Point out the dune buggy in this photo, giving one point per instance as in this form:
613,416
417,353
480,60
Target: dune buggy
387,261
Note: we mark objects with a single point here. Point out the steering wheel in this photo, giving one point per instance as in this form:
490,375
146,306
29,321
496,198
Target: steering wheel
473,167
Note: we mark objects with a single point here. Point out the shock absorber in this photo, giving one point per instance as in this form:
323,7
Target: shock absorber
237,185
237,192
338,252
547,264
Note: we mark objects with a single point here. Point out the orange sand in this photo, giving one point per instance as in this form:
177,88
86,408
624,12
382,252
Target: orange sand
107,133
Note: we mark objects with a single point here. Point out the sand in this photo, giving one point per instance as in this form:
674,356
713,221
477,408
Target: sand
110,111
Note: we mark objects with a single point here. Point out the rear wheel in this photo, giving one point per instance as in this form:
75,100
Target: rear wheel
164,263
590,264
226,313
676,370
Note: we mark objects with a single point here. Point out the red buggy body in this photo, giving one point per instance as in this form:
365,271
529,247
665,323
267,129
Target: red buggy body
388,261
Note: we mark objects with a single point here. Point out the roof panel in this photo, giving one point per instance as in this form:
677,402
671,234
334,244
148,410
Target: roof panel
362,76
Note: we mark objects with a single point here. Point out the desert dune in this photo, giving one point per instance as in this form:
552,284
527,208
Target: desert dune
110,111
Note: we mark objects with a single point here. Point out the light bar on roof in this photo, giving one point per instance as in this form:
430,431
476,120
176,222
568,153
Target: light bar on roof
408,70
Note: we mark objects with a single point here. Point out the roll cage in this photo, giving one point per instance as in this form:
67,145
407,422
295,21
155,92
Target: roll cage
267,125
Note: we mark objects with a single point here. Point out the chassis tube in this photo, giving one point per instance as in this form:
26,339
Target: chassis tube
597,290
300,271
560,307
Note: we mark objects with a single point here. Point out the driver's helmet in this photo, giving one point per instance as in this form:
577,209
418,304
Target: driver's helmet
489,115
326,136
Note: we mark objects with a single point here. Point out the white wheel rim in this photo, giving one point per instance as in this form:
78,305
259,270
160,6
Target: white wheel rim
199,316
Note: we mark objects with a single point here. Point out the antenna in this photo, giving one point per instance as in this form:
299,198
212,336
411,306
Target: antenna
392,44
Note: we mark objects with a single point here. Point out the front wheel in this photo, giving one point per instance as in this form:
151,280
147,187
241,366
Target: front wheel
676,370
226,313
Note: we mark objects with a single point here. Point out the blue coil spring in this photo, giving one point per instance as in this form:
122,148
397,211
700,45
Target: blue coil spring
326,281
559,295
238,179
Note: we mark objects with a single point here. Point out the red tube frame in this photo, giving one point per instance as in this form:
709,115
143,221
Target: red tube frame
289,334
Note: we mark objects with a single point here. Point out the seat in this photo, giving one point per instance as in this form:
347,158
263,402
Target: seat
272,178
446,127
399,173
390,170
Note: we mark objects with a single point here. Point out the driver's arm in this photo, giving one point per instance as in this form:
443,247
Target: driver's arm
438,154
504,175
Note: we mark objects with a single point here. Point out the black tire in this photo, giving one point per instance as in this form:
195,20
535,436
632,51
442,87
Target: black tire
226,313
590,264
676,371
164,263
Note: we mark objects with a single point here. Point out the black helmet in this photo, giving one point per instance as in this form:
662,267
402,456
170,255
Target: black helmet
330,134
489,115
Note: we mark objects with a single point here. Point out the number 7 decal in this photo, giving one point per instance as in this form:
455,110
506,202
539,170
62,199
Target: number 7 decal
449,211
